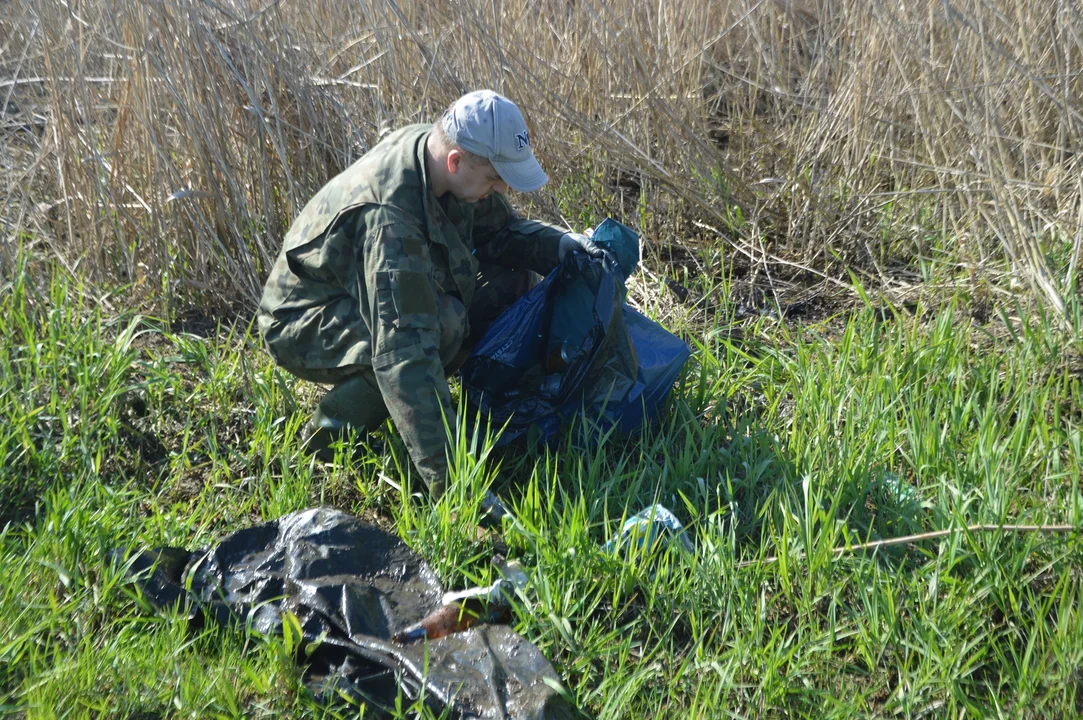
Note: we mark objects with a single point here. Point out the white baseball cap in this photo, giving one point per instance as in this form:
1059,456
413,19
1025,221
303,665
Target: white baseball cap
490,125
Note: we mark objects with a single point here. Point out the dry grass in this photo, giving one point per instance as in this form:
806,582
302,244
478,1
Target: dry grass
168,144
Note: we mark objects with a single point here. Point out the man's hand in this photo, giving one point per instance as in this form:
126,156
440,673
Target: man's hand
578,241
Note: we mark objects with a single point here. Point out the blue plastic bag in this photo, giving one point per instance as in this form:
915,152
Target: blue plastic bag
572,347
649,528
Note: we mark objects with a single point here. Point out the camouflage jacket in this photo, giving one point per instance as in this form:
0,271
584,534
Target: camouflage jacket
357,279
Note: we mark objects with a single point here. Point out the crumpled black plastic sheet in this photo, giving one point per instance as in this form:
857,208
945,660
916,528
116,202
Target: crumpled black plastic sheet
352,586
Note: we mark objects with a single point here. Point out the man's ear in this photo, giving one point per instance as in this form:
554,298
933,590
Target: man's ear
454,161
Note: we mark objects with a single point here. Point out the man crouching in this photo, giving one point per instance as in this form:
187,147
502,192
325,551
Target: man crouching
392,272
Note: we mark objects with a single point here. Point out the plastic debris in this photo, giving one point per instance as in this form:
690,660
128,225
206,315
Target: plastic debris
648,529
350,586
900,491
465,608
571,347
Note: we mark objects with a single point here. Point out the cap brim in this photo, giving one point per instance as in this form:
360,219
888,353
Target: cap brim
522,176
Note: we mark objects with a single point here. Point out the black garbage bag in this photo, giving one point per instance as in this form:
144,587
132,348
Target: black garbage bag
352,586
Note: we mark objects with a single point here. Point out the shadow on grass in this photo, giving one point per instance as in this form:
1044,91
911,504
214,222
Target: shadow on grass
734,474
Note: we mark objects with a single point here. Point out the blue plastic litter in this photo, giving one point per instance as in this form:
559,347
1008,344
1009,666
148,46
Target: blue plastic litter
648,529
571,347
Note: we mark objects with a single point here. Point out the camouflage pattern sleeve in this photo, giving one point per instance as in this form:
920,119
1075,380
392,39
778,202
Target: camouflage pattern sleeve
504,238
403,306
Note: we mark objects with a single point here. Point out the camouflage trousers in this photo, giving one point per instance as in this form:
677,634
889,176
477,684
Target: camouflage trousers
355,401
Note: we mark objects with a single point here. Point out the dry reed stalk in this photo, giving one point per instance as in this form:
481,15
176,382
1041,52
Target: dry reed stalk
184,136
931,535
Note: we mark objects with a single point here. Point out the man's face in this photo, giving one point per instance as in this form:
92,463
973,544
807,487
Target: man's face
471,183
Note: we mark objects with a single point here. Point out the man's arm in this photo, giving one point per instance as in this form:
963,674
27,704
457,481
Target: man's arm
504,238
406,345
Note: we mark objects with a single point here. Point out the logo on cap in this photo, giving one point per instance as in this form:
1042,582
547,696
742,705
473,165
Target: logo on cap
522,140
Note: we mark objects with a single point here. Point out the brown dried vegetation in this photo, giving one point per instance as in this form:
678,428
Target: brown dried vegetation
167,145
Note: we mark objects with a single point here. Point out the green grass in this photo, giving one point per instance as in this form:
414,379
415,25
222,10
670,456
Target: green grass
116,432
